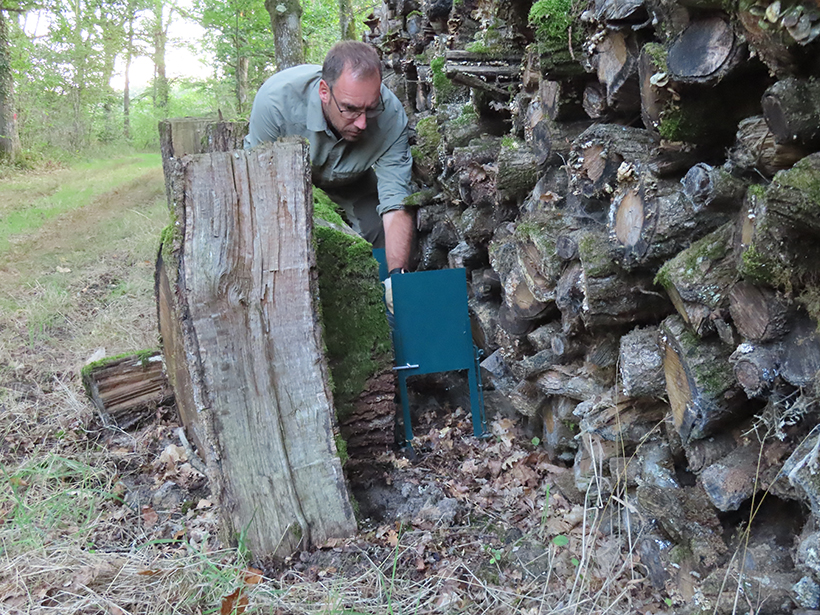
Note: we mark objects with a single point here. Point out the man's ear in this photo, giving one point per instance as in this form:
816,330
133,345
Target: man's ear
324,91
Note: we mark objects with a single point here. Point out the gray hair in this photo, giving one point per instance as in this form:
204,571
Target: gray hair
360,58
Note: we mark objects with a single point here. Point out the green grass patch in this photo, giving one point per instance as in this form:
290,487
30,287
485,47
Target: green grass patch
31,202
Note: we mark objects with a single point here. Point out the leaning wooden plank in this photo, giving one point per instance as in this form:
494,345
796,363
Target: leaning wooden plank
247,340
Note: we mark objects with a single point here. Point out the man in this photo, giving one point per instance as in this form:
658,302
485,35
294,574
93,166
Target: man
357,131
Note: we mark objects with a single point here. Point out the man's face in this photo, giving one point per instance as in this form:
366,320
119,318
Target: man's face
348,96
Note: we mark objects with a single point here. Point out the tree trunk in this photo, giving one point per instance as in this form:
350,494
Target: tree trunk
286,23
237,292
347,20
160,39
9,138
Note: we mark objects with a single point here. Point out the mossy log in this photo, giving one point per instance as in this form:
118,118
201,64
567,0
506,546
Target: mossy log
700,278
128,390
517,283
641,363
792,111
794,195
651,219
713,187
757,151
776,245
517,171
611,295
700,383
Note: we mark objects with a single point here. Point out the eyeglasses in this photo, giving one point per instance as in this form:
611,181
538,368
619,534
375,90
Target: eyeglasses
352,113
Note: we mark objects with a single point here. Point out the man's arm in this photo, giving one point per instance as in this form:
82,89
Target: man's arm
398,238
393,170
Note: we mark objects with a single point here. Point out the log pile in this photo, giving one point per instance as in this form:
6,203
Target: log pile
634,189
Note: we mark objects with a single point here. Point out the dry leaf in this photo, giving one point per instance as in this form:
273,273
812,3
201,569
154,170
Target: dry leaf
149,517
234,604
253,576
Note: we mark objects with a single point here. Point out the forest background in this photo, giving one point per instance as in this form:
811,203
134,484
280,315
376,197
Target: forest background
66,66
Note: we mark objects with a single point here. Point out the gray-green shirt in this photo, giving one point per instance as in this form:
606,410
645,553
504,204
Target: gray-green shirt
288,104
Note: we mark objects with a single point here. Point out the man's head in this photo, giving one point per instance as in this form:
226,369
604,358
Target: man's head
350,87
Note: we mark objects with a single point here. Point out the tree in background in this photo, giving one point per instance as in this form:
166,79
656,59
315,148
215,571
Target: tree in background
9,137
286,22
347,20
162,13
238,33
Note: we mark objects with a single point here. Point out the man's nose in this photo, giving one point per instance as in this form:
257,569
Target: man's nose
361,122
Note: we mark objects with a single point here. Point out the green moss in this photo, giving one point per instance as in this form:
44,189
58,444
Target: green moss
510,142
355,326
758,268
341,449
325,209
445,89
170,238
141,355
415,14
552,20
803,177
757,191
663,278
428,139
657,54
679,554
672,125
594,254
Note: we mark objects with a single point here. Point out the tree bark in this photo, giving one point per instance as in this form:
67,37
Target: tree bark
759,313
757,150
286,23
347,20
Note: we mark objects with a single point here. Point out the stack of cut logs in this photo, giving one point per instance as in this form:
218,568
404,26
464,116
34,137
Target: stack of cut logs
638,208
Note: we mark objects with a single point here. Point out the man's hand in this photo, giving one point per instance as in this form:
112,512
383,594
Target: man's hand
388,294
398,237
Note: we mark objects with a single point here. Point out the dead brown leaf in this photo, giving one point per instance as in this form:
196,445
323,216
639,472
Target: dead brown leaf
234,603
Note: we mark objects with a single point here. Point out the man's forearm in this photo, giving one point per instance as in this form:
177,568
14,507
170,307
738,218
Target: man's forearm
398,238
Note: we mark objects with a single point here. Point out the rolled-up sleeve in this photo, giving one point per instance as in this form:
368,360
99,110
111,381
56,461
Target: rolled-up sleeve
393,172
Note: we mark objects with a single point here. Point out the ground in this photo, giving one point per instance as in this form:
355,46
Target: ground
94,519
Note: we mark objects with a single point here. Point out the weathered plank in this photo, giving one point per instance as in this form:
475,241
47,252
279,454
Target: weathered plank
245,302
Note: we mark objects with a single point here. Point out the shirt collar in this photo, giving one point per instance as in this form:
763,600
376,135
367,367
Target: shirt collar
315,116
